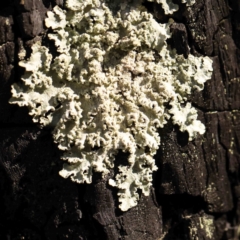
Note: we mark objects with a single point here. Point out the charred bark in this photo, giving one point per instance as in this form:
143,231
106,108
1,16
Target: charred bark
196,191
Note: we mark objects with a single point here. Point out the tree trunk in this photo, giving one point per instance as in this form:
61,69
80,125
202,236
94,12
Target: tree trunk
196,190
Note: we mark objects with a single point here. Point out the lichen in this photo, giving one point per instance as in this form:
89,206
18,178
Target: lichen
169,7
113,84
207,224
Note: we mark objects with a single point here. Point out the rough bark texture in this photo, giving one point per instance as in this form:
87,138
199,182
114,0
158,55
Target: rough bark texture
196,191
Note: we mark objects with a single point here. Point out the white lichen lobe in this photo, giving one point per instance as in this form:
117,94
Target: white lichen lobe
108,88
169,7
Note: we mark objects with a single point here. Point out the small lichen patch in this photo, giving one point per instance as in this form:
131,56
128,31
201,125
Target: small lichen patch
108,90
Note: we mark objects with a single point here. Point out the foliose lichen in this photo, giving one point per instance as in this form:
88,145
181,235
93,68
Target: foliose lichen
108,90
169,7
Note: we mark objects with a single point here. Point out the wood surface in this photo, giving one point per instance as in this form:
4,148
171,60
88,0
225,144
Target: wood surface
196,190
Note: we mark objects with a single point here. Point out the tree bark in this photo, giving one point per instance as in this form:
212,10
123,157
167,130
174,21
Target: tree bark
196,190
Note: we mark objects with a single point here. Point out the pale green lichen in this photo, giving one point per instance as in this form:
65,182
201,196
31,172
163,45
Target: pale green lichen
207,224
169,7
108,88
201,226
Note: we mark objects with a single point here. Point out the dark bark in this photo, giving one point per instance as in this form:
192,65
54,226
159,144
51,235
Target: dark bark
197,183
